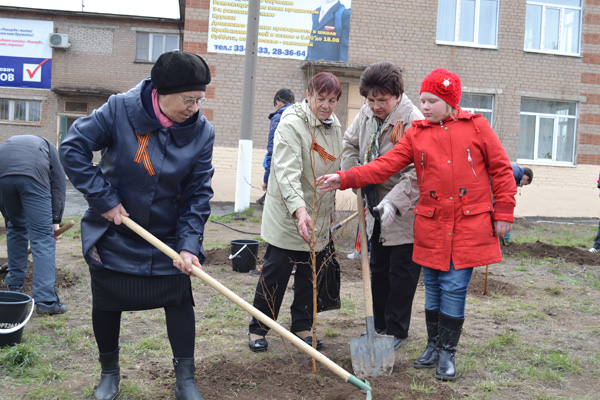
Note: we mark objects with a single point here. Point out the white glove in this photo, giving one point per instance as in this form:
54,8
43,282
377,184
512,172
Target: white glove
387,212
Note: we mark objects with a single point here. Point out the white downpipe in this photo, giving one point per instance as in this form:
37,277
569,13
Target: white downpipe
244,176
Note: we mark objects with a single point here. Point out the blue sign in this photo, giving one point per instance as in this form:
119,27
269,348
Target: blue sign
22,72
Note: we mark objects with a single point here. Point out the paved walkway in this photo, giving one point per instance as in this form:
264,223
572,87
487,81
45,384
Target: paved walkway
76,205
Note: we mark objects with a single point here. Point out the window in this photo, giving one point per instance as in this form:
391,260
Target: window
468,22
478,103
553,26
20,110
73,106
547,131
150,46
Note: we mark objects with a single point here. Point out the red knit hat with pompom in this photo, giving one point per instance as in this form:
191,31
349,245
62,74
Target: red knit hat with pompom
444,84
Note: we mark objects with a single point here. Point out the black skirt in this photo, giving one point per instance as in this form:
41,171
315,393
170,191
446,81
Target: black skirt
116,291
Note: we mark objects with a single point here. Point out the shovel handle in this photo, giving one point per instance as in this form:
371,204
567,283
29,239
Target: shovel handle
364,255
218,286
344,222
64,228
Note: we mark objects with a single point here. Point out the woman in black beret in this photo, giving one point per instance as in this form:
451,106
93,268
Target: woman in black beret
156,168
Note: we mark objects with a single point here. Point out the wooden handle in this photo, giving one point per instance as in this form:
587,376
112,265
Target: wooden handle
364,255
64,228
344,222
218,286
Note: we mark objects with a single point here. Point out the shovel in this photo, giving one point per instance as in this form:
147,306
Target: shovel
372,354
333,367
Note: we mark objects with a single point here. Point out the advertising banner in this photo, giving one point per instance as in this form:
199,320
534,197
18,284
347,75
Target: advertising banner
25,53
296,29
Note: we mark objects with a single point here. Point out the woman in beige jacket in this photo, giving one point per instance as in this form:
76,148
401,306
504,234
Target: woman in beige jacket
296,219
378,126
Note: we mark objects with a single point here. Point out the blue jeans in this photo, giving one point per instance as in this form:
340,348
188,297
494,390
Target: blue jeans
446,291
597,240
28,206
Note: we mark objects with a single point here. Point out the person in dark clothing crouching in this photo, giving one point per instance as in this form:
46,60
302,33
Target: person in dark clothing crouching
32,200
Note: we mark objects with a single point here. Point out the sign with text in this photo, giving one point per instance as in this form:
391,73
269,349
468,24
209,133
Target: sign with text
296,29
25,53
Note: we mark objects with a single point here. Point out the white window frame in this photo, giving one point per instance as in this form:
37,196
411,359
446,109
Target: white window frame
476,110
11,111
151,57
562,43
475,42
555,117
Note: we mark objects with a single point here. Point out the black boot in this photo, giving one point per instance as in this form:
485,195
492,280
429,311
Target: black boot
430,356
449,331
185,387
108,387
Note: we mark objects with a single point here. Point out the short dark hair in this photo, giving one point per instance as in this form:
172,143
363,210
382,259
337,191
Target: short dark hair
286,96
324,83
381,77
527,171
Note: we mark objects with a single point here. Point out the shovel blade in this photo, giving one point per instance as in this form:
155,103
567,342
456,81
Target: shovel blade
374,357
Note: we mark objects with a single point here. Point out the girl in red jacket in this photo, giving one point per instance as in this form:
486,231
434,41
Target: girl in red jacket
458,157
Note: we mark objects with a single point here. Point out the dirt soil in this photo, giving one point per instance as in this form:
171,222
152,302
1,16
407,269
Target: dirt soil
226,369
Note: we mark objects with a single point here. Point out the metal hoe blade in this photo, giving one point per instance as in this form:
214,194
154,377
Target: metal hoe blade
372,354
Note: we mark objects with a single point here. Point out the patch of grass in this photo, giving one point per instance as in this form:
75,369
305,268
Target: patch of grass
222,317
550,366
507,339
216,245
130,391
147,345
555,271
48,393
47,373
421,387
487,386
19,357
56,322
521,268
246,214
350,306
331,333
554,290
557,234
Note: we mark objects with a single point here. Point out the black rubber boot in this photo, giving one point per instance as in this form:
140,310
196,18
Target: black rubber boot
108,387
449,334
429,357
185,387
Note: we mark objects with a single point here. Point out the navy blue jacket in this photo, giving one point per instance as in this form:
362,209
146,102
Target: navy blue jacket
518,173
173,204
275,117
330,47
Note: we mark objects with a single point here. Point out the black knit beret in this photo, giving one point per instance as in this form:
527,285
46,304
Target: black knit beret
176,72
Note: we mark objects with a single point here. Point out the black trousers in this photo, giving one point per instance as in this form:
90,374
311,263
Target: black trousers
394,279
181,328
273,282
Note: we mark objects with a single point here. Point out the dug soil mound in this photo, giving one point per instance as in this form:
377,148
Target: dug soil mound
543,250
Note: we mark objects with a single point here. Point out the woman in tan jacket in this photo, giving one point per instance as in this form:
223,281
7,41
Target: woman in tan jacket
378,126
296,220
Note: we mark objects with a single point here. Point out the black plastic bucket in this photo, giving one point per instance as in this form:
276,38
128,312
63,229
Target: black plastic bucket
243,254
13,317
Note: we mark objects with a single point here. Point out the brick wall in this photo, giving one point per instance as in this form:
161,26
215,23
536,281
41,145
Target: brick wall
409,42
103,50
100,60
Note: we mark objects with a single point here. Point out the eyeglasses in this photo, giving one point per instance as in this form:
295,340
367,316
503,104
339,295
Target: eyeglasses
191,101
379,103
